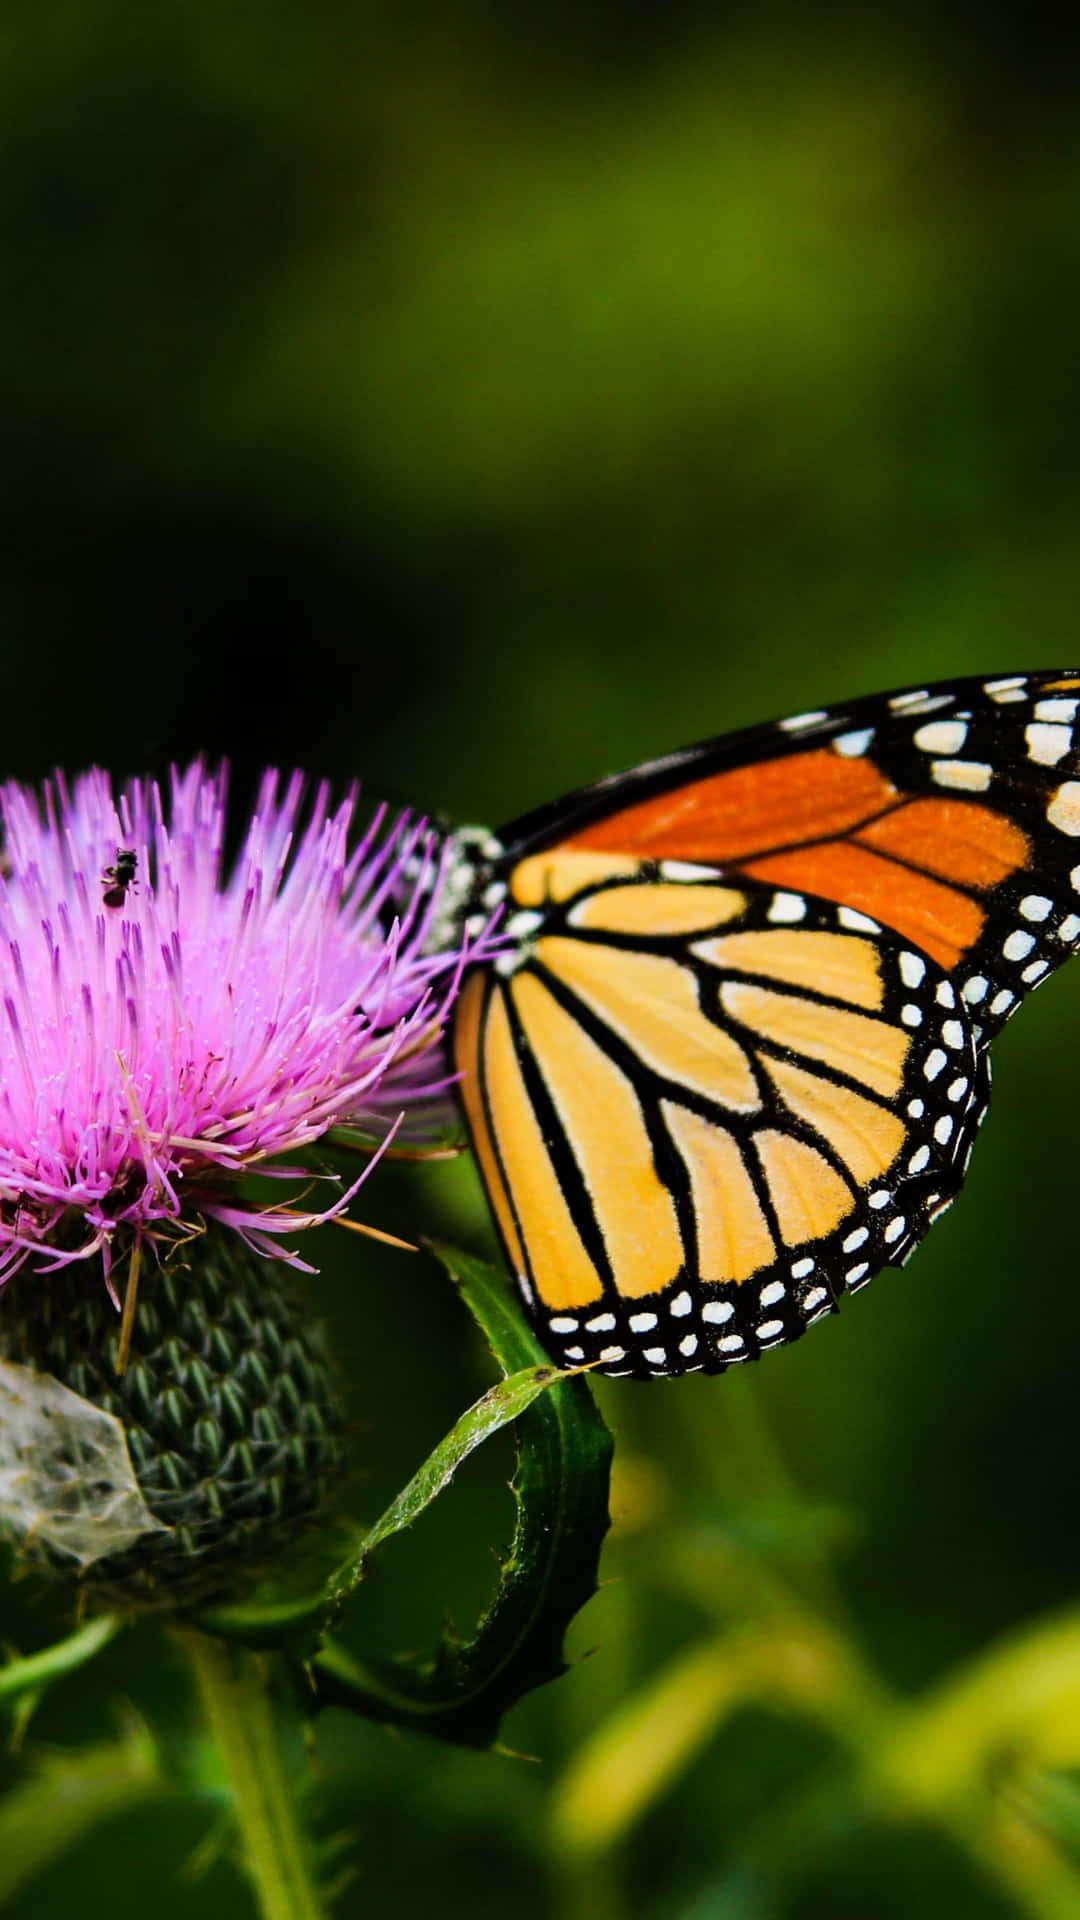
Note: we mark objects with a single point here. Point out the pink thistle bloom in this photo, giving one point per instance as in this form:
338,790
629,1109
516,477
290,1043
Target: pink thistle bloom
167,1026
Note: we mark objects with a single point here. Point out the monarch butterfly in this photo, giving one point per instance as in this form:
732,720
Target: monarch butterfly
734,1056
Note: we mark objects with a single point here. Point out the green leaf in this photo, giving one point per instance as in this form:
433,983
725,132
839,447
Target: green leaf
560,1489
493,1410
280,1620
31,1675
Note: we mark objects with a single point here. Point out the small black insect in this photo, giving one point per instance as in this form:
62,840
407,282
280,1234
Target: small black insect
117,879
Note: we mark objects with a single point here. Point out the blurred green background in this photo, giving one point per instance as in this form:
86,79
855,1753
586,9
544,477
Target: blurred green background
480,400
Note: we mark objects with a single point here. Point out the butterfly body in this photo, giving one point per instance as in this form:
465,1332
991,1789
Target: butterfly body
733,1057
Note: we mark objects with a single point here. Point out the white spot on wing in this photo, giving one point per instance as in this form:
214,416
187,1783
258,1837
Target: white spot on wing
787,907
680,1306
1064,810
912,969
686,870
967,776
1018,945
520,925
563,1325
1047,743
797,721
642,1322
1035,906
975,989
858,922
1059,710
717,1311
689,1345
924,703
941,736
853,745
603,1323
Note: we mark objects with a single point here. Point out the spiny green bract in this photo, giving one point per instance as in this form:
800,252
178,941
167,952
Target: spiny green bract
229,1407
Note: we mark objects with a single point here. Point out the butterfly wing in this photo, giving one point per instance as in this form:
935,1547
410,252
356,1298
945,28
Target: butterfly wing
950,814
699,1124
736,1059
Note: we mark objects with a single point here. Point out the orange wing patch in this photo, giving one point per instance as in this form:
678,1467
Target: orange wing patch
953,838
602,1118
562,1272
651,1003
934,917
562,872
810,1199
866,1136
814,822
871,1051
734,1240
728,816
657,909
839,964
467,1056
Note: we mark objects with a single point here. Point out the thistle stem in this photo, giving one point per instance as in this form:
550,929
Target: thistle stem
233,1686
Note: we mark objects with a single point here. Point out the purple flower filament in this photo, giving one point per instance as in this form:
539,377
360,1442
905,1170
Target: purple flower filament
207,1023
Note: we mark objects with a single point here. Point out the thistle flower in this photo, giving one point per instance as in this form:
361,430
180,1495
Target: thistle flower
167,1026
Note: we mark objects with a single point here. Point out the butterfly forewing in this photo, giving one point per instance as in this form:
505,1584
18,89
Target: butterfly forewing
734,1057
951,814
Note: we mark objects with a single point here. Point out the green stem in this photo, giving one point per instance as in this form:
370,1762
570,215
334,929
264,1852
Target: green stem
236,1699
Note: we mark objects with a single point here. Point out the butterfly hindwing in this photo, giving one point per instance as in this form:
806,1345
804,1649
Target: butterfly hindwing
701,1121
